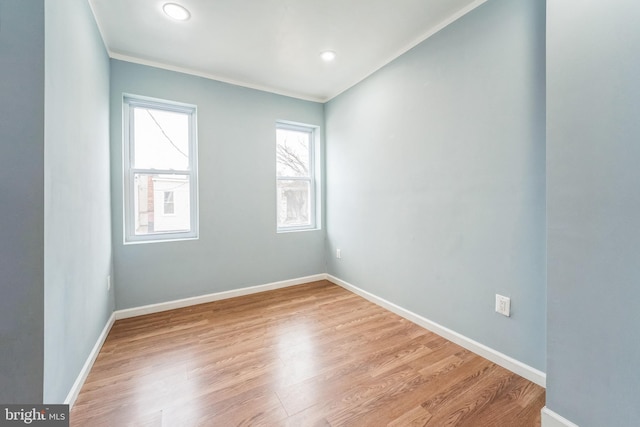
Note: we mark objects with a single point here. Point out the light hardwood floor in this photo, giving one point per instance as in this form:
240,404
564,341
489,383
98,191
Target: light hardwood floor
308,355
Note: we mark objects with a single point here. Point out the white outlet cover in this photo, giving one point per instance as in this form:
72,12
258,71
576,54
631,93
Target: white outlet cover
503,305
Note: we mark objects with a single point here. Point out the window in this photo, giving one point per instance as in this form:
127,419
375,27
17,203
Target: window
295,177
160,178
168,207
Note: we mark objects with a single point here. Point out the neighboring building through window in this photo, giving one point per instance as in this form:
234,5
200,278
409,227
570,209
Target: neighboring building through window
160,177
295,177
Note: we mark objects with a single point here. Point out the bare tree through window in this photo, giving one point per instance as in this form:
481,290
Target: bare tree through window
294,176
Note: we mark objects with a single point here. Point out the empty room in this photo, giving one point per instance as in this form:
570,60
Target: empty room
320,213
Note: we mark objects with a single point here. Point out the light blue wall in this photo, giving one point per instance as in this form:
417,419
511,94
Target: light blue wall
21,193
593,161
238,244
77,200
436,179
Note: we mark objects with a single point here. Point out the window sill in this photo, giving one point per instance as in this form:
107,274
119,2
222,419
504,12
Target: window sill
165,240
296,230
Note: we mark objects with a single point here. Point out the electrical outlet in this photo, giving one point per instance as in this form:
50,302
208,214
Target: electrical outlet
503,305
108,283
338,253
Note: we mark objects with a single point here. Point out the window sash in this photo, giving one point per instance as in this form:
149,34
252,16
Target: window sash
131,102
311,178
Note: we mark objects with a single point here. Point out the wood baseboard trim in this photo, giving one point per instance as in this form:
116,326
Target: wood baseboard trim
526,371
88,364
186,302
551,419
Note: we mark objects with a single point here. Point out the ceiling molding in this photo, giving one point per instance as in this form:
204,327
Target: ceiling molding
210,76
265,88
413,44
100,29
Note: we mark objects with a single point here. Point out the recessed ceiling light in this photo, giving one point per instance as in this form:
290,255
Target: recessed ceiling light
328,55
176,11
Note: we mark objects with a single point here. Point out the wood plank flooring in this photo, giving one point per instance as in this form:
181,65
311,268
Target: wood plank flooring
308,355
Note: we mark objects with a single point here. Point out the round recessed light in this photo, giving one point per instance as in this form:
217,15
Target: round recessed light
328,55
176,11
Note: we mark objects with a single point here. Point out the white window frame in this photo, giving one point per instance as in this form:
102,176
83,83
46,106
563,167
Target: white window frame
129,171
313,179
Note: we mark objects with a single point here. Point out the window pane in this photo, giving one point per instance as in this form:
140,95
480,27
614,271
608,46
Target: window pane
293,203
292,153
161,139
151,215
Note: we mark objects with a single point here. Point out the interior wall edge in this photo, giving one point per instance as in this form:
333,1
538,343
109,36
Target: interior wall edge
88,364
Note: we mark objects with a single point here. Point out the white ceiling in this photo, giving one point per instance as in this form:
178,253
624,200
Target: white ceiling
274,45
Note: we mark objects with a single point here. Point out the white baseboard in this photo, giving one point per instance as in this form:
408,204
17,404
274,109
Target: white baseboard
495,356
551,419
88,364
170,305
186,302
503,360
